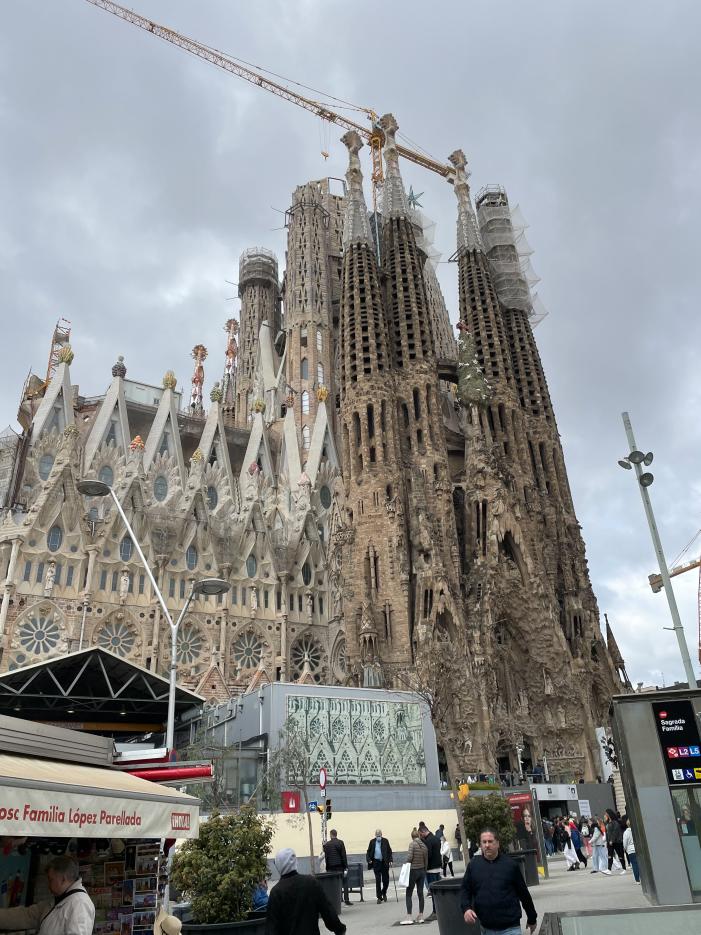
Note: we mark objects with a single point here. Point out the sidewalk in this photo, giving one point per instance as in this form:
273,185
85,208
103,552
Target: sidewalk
563,891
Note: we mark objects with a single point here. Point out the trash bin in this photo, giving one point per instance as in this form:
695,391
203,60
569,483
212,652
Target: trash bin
332,886
355,880
446,902
528,862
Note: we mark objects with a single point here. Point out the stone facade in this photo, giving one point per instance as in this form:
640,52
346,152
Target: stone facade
390,507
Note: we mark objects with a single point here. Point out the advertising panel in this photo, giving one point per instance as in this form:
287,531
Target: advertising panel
522,816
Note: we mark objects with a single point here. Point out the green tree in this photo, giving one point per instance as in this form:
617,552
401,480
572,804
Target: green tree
488,811
289,767
219,870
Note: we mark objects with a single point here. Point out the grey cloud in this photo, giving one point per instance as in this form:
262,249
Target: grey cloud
132,176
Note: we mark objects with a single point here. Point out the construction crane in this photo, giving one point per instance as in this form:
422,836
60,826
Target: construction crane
373,134
656,585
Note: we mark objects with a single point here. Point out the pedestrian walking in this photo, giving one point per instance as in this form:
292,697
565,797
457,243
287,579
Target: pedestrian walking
296,902
493,891
560,835
629,848
458,838
433,873
337,859
584,827
446,857
440,832
379,859
576,839
70,911
614,839
569,851
599,847
417,857
548,829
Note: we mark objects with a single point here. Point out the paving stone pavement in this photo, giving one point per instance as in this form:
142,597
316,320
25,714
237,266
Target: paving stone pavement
561,892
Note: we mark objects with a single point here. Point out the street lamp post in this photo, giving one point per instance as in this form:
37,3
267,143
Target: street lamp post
206,586
636,459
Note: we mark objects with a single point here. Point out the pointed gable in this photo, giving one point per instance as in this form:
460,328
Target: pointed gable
55,411
213,445
258,450
322,444
212,685
111,425
164,437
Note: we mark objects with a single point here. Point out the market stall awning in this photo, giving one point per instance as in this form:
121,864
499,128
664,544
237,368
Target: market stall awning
45,798
94,690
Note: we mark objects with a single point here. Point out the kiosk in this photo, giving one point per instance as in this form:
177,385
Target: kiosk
58,795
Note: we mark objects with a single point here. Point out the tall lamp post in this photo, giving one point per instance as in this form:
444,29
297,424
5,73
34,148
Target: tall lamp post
636,459
206,586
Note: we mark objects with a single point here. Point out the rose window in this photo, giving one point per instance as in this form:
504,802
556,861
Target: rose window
359,729
248,650
306,651
39,634
116,637
190,644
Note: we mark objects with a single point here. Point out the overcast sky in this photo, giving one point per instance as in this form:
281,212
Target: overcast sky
133,175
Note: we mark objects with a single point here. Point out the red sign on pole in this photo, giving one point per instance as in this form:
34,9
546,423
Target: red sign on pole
291,802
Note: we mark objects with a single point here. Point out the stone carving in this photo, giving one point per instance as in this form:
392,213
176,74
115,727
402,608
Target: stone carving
49,578
169,380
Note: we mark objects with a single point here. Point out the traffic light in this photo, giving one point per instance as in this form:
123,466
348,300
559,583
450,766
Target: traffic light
320,809
328,808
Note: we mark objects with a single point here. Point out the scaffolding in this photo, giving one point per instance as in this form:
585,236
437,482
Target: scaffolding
61,337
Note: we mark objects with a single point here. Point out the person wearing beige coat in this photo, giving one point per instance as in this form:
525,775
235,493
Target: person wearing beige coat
417,857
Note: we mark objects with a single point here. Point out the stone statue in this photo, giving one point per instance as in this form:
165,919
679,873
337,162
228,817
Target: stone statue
49,578
123,585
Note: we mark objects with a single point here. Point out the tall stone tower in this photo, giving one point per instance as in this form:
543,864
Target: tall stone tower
312,291
260,303
378,623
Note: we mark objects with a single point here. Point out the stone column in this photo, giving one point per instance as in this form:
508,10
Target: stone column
9,583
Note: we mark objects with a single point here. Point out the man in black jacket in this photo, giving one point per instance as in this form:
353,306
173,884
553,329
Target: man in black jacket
435,862
493,891
379,858
297,901
337,859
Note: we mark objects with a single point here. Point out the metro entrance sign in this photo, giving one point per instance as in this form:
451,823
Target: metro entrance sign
679,738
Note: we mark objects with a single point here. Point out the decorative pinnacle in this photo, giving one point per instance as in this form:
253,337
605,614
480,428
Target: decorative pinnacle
394,200
356,227
119,370
169,380
468,232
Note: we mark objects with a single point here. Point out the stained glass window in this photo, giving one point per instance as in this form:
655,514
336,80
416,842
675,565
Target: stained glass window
191,557
39,633
106,475
46,462
54,539
190,644
117,637
247,650
160,488
126,548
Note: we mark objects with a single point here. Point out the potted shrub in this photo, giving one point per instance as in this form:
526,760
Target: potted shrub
219,870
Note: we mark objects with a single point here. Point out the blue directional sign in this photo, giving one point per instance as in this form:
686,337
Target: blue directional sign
312,806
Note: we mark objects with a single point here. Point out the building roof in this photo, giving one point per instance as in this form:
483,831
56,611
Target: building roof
92,689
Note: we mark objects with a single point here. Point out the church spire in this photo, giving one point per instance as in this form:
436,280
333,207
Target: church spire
395,203
356,228
468,233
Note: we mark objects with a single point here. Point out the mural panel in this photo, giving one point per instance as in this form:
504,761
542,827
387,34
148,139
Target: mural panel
360,742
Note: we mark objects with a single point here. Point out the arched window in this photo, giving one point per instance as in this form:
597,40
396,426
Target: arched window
304,369
307,573
160,488
320,374
305,403
126,548
46,462
106,475
306,438
191,557
54,539
319,340
212,497
251,566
